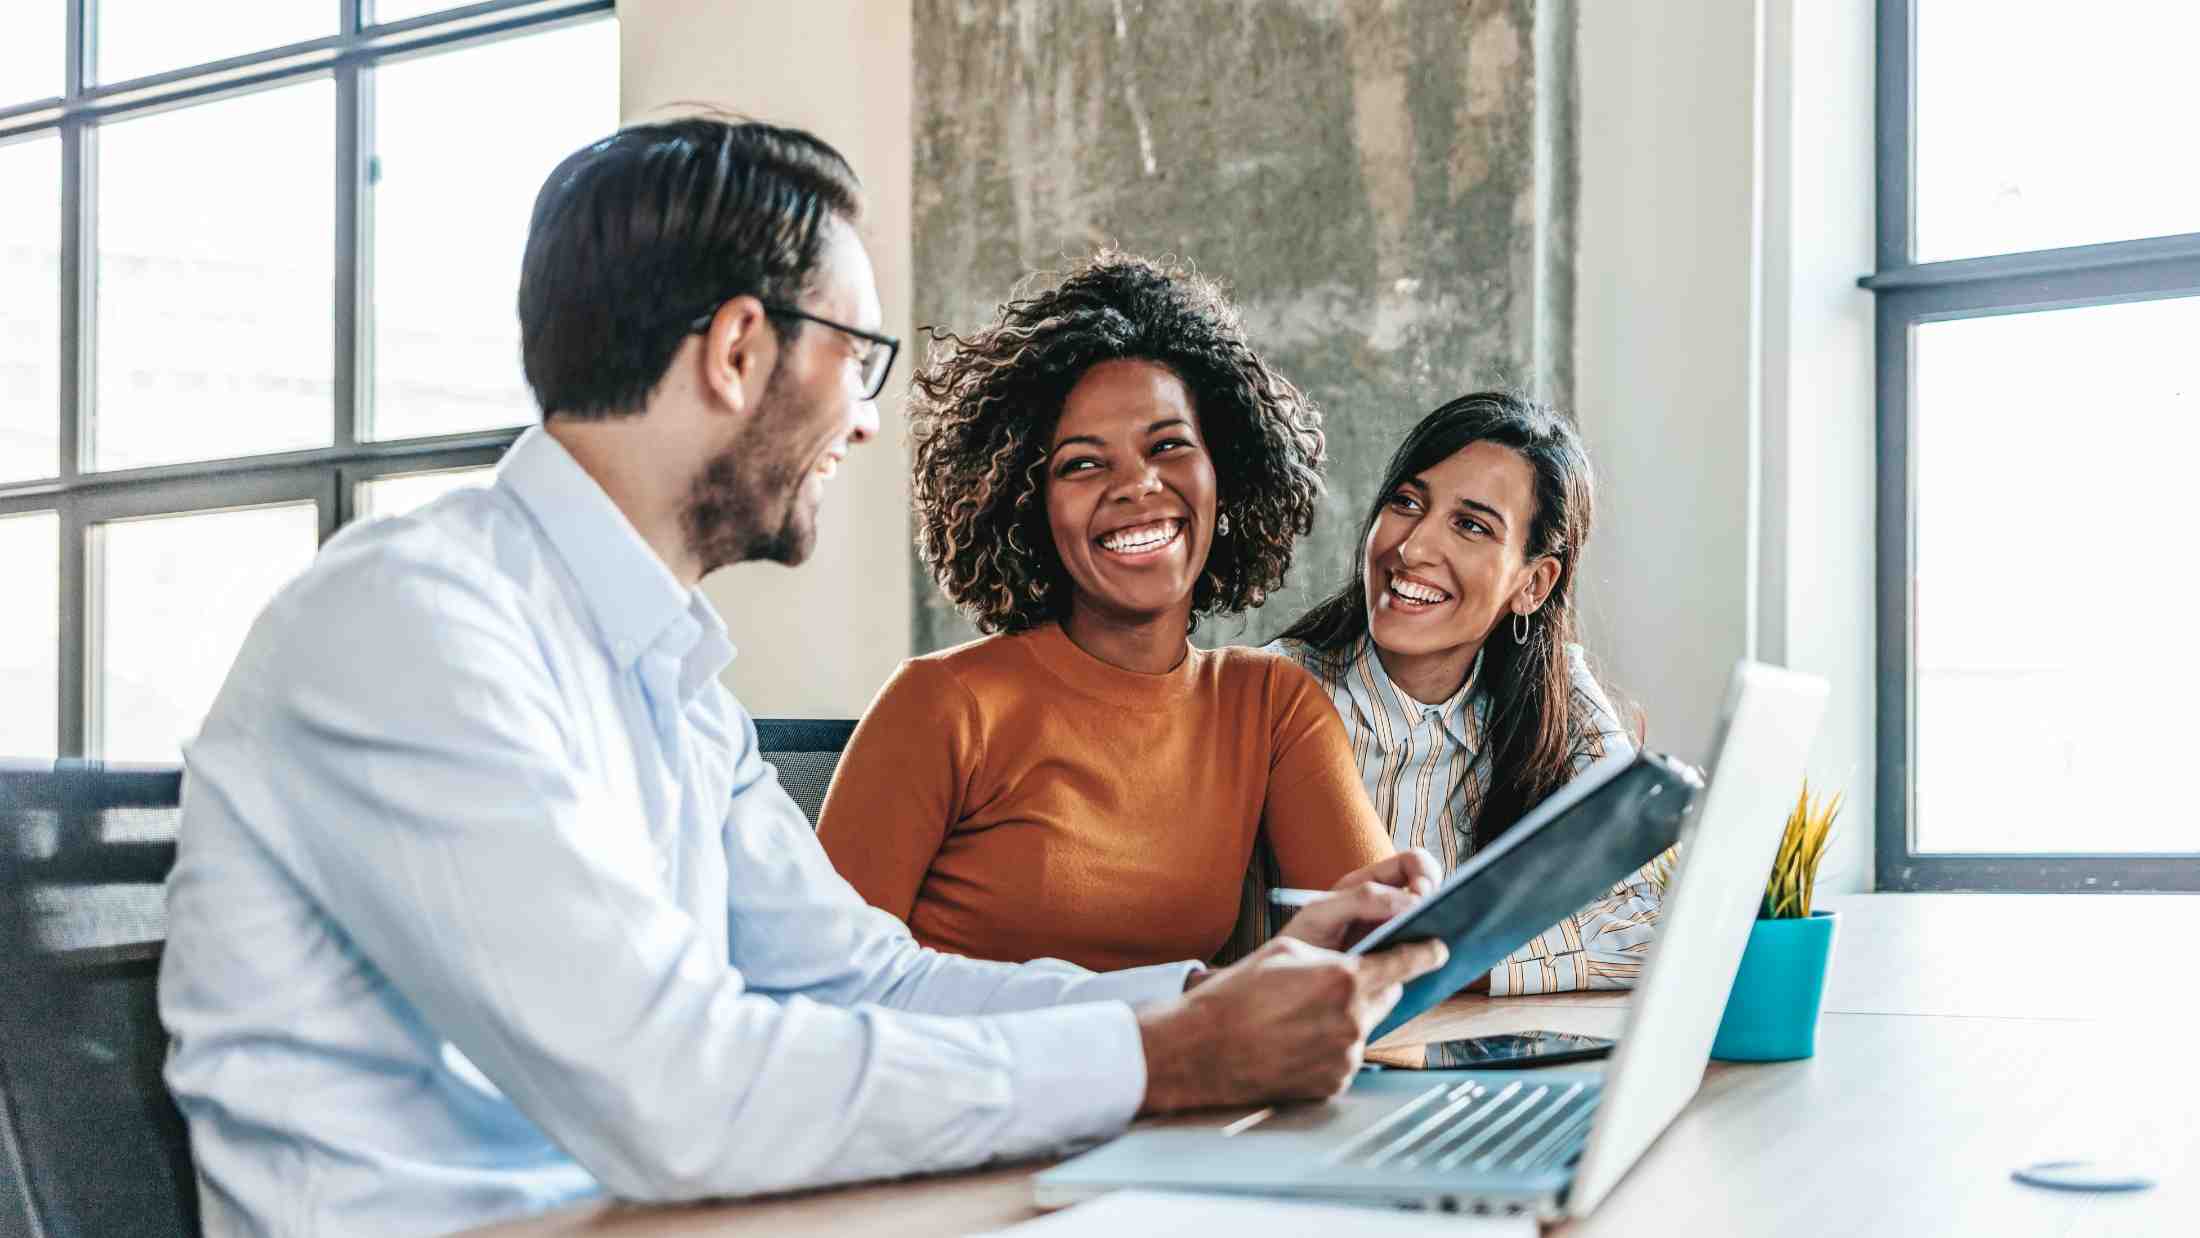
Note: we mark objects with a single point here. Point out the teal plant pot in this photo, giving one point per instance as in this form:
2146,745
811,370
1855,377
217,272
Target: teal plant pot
1772,1011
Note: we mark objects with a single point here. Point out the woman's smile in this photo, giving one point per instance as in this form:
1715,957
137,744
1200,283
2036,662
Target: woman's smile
1408,594
1446,562
1130,493
1142,544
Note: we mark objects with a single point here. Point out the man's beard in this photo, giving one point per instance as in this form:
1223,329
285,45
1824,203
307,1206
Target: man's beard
746,503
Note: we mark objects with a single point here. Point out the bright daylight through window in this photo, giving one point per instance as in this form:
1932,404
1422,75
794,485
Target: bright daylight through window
257,263
2039,299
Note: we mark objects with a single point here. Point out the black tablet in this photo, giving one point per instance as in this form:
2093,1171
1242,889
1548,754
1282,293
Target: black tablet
1567,852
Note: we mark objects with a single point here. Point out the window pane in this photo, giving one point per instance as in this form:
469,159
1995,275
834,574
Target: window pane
2042,125
217,235
175,597
33,54
2055,579
30,635
450,217
400,493
30,309
381,12
138,38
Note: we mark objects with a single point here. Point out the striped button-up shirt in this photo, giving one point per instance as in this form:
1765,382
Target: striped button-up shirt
1425,770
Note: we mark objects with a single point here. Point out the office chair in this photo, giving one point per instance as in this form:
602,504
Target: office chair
90,1141
805,751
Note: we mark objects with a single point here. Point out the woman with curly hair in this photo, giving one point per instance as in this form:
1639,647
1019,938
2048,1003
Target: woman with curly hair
1097,470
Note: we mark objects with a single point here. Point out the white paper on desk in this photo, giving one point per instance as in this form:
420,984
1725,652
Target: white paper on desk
1159,1214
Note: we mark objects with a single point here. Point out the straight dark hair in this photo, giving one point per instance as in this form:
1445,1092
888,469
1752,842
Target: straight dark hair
634,236
1536,718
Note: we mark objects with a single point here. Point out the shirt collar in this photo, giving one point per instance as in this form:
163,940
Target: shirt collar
713,650
633,597
1392,714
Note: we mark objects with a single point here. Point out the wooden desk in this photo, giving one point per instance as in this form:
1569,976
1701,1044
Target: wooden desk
1964,1035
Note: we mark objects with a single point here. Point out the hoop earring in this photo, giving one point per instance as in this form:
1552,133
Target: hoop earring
1523,628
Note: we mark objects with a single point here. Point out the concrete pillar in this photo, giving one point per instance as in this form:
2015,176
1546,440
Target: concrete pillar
1387,188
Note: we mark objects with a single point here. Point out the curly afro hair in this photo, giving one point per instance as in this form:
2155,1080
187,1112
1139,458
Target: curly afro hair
984,408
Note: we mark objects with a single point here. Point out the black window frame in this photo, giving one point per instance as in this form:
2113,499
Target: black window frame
1909,293
328,477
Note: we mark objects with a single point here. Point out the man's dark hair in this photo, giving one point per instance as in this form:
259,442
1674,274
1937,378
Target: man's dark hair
636,235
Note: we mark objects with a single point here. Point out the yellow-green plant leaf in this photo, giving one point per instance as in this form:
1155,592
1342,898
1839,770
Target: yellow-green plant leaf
1792,886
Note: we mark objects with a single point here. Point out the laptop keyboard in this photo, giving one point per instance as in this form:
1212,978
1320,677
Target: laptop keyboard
1478,1126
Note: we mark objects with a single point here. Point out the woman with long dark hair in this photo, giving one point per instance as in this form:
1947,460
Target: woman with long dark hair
1451,656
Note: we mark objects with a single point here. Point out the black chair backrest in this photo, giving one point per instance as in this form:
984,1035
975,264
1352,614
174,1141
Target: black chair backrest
805,751
90,1141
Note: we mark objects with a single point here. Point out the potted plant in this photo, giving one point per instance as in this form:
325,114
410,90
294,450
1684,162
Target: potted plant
1772,1011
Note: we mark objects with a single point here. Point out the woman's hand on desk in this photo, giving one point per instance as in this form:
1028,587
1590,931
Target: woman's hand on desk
1288,1022
1364,899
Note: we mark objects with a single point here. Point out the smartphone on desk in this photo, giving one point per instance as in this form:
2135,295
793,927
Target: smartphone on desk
1511,1050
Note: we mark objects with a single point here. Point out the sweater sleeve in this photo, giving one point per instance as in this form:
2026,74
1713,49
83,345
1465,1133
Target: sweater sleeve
901,784
1317,818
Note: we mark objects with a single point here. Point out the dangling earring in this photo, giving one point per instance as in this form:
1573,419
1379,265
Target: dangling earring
1523,628
1222,526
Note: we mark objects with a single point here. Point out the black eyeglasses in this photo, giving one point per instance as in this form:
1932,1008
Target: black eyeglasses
874,359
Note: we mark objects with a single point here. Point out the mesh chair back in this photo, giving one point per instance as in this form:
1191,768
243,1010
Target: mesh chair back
90,1142
805,751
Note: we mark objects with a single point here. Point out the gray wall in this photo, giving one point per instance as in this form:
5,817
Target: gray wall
1387,188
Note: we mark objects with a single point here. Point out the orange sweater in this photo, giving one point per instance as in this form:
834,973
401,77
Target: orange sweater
1017,798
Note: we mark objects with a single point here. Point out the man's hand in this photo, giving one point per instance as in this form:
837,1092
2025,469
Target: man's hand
1288,1022
1364,899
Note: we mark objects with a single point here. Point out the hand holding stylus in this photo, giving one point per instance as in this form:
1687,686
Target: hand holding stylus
1361,900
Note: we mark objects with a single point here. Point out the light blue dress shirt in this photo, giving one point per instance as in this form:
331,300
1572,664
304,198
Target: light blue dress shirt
485,901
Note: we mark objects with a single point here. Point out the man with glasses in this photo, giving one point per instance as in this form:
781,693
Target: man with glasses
874,353
485,900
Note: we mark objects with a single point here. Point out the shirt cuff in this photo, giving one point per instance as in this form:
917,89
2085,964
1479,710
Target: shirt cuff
1533,977
1079,1073
1135,985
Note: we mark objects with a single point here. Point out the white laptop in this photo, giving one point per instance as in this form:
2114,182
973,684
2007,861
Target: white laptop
1547,1143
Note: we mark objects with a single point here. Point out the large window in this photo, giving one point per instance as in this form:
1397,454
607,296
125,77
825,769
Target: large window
257,270
2039,416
